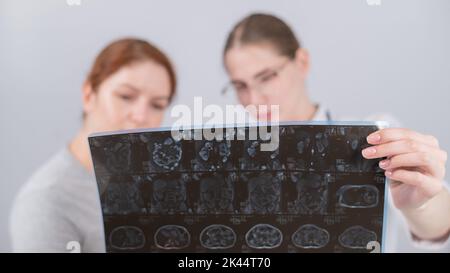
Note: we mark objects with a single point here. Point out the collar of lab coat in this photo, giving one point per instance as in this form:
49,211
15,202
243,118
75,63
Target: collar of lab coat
321,113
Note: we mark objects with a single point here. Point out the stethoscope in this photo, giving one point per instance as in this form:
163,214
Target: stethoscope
328,115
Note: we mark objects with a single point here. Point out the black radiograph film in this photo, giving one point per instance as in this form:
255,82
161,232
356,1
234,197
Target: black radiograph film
313,193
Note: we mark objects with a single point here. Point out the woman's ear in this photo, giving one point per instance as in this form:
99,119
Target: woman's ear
88,98
302,60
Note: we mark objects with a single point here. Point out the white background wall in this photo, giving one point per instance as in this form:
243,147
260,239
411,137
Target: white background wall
390,58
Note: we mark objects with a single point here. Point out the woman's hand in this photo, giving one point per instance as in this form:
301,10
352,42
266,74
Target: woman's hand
414,163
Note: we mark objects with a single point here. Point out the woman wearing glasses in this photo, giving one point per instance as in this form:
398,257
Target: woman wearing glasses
267,66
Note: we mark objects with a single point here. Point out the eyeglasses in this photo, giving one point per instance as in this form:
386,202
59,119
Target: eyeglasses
262,83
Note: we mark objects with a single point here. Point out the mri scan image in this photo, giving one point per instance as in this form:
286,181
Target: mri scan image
123,196
264,194
127,238
169,196
212,156
351,141
264,236
113,155
172,237
217,237
253,157
216,194
157,153
357,237
118,157
308,149
358,196
310,236
167,155
313,192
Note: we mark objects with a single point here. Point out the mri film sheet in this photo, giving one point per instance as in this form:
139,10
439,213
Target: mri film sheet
313,193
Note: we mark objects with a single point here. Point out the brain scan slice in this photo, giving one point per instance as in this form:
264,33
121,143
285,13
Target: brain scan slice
312,194
358,196
264,194
255,158
212,155
310,236
216,195
172,237
167,154
349,158
118,157
127,238
308,150
356,237
303,142
320,152
169,196
123,197
217,237
264,236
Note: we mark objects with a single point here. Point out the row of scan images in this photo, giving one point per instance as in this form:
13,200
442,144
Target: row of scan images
262,193
319,150
252,193
222,237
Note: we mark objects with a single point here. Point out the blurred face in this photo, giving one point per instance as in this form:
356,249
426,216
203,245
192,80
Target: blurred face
261,76
133,97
